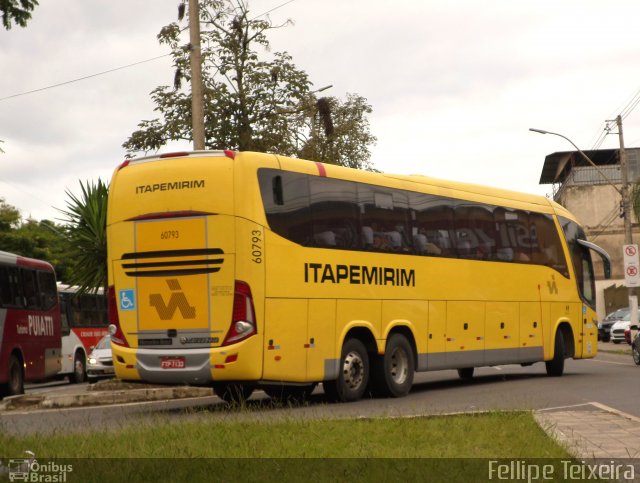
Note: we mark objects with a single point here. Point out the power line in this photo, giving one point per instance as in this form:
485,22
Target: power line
83,78
118,68
629,106
273,9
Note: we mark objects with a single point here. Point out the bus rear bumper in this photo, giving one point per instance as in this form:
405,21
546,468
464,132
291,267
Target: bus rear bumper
242,361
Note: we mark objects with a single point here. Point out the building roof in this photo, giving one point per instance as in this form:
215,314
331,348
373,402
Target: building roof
557,166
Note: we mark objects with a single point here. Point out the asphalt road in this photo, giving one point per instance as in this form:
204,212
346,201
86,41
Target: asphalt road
609,379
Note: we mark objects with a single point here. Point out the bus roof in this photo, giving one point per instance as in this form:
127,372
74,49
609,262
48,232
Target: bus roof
455,189
13,259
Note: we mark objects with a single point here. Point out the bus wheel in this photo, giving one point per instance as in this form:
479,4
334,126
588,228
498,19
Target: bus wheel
635,352
290,394
353,375
233,392
15,385
555,367
392,373
79,373
466,373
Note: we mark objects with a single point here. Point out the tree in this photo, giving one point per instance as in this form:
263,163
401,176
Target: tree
9,216
18,11
250,103
343,137
34,239
635,199
86,217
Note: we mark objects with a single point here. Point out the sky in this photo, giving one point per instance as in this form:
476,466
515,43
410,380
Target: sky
454,85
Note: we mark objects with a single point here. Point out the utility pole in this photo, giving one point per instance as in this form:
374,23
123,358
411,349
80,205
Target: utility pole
626,205
197,99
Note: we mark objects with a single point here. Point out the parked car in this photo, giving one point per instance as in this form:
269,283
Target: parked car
604,327
619,328
100,361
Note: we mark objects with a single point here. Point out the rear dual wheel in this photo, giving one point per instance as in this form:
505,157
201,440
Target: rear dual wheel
392,373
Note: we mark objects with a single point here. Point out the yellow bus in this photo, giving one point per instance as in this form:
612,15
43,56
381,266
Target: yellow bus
245,270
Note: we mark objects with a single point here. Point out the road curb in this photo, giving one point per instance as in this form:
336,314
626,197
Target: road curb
99,398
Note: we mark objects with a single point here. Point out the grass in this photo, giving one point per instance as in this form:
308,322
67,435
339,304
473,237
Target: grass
302,447
496,434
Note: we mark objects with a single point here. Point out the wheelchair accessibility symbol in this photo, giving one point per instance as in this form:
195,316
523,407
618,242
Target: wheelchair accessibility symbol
127,299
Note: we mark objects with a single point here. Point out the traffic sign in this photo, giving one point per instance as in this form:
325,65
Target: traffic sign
631,266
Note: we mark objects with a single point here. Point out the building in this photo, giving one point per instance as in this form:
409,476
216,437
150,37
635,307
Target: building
584,190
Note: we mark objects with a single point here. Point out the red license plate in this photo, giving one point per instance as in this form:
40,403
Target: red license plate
172,363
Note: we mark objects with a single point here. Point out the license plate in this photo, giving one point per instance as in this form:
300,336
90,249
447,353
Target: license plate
172,363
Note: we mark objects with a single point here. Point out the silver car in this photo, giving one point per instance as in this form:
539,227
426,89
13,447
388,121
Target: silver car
100,361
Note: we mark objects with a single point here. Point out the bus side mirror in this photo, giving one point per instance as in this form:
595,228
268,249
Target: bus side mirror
606,259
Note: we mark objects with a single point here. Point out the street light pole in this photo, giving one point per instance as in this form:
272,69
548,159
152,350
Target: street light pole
587,158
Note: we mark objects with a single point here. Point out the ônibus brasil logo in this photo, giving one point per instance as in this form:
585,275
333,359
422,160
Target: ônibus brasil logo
29,469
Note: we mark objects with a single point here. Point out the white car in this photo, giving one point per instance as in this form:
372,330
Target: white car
100,362
617,329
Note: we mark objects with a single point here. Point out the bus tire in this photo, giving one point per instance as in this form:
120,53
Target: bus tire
234,393
15,385
79,373
290,394
353,374
555,367
635,352
392,373
466,373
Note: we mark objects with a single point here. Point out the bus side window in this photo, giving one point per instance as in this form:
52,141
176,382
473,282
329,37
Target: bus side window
48,290
11,288
433,225
334,213
475,231
546,246
30,287
515,236
64,319
285,197
6,294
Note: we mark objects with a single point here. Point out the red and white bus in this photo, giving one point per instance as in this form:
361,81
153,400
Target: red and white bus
30,340
84,323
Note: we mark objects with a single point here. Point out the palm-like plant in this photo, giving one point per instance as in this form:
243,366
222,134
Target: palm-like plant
86,217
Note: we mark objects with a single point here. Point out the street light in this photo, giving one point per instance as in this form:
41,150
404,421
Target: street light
624,192
587,158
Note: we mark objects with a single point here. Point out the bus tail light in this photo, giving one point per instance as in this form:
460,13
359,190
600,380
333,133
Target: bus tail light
117,337
243,321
